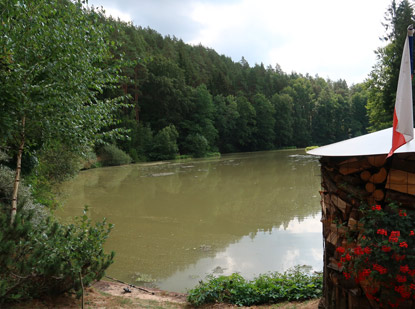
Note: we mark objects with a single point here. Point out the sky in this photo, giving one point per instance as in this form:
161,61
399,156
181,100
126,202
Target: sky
334,39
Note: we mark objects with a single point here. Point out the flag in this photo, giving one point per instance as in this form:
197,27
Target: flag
403,124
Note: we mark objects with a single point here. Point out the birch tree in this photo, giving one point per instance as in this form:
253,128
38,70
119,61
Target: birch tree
54,67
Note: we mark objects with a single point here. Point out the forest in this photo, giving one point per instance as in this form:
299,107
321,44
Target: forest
204,102
77,88
190,100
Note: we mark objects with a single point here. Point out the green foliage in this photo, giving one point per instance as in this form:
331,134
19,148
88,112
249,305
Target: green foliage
246,124
55,58
236,107
265,114
39,255
51,258
383,80
90,160
3,157
140,141
283,105
111,155
25,201
226,117
294,284
165,144
55,164
197,144
310,148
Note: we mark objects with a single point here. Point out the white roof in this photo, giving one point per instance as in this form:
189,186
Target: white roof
379,142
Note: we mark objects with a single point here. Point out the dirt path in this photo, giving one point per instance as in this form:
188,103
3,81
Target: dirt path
105,294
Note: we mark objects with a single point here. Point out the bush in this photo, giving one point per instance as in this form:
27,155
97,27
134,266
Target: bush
38,255
295,284
197,145
50,259
110,155
140,141
58,163
165,144
25,201
90,160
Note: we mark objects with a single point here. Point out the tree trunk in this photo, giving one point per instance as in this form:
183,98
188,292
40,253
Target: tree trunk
17,175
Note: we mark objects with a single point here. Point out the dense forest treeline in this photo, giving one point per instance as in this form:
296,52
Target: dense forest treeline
202,102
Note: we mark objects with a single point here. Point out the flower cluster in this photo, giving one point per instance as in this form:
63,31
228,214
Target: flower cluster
382,255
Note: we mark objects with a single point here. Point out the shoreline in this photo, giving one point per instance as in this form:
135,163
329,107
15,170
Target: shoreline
109,294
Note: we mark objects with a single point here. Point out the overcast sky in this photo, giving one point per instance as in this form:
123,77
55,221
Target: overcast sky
331,38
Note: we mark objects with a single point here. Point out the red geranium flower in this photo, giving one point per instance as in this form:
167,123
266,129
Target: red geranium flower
382,232
404,269
400,278
402,213
358,250
340,250
403,244
382,270
386,248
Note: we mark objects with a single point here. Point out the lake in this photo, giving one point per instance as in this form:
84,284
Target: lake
176,222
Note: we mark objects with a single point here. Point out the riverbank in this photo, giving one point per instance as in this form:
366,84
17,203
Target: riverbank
105,294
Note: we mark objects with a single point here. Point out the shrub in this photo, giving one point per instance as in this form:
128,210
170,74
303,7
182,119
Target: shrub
295,284
110,155
58,162
55,163
38,255
140,141
197,145
165,144
25,201
50,259
90,160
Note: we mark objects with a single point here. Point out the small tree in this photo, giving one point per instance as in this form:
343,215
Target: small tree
55,62
165,144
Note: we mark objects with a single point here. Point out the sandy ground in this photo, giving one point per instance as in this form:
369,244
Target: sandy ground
105,294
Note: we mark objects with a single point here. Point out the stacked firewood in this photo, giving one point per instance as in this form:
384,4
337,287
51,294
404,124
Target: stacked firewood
346,184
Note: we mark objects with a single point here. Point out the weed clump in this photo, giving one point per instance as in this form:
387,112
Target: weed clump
293,285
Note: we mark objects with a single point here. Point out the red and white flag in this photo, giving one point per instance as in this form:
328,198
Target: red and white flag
403,124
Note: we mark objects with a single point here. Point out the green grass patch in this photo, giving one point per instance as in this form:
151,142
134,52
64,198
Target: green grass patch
296,284
310,148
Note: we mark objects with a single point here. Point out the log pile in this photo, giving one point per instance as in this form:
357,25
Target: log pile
346,183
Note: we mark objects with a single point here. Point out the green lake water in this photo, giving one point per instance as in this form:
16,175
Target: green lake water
176,222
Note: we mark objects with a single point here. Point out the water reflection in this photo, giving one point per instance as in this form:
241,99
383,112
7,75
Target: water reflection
177,222
276,250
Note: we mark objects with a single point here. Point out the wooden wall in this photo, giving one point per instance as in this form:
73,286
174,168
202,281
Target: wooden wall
346,183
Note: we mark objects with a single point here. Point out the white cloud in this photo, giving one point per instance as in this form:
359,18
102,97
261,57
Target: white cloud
331,38
115,13
306,225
